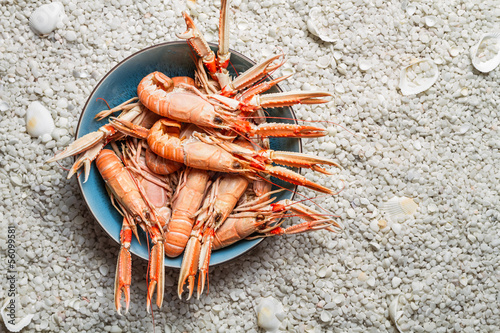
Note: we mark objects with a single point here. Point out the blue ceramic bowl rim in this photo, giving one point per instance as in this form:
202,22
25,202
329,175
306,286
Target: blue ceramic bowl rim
259,241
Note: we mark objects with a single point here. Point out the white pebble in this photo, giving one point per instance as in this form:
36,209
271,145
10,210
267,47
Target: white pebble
115,329
104,270
396,228
371,281
374,225
70,36
16,180
57,269
4,106
396,281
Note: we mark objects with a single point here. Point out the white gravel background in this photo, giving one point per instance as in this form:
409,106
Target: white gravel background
440,147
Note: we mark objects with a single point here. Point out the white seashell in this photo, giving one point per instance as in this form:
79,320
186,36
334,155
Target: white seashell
324,61
7,320
394,314
439,61
317,24
454,51
364,64
410,10
430,21
38,120
418,77
339,299
485,55
322,271
325,316
45,18
339,88
463,280
270,314
400,205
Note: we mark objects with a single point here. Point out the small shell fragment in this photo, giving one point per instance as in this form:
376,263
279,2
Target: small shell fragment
45,18
454,51
418,77
430,21
326,316
324,61
317,24
463,280
485,55
394,314
270,313
410,10
400,205
382,224
322,271
7,320
38,120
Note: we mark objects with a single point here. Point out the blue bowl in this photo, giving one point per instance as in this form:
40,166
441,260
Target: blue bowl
119,85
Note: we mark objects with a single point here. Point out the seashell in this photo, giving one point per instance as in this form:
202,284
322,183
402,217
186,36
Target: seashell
394,314
45,18
364,65
317,24
400,205
485,55
410,10
339,299
269,314
322,271
7,320
38,120
324,61
454,51
418,77
430,21
463,280
325,316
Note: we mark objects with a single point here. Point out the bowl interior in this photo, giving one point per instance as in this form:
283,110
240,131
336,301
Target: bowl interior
119,85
